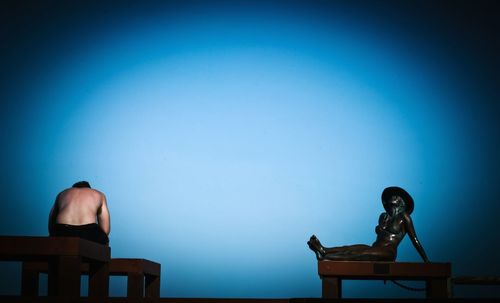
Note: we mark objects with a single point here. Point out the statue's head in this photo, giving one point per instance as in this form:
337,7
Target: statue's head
397,200
82,184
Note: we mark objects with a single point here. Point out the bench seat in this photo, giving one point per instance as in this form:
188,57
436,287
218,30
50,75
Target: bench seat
63,257
436,275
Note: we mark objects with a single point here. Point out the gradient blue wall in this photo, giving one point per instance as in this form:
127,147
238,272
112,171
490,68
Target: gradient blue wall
226,134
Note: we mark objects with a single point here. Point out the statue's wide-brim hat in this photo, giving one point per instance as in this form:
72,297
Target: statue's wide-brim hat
397,191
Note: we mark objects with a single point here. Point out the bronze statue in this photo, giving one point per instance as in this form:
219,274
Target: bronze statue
392,226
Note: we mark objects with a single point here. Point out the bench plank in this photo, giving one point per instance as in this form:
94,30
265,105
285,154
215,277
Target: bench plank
476,280
364,270
22,248
120,265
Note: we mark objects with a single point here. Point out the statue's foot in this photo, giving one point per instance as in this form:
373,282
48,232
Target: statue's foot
314,242
316,247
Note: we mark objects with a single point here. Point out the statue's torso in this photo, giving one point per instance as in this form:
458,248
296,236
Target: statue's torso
390,230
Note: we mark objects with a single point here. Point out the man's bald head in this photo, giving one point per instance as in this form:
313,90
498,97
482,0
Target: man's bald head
82,184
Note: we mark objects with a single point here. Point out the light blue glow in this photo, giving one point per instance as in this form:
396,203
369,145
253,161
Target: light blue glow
223,141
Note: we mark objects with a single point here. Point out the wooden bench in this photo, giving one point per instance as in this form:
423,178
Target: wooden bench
476,280
64,257
437,276
143,276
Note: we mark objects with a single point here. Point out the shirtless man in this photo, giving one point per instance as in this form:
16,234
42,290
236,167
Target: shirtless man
82,212
392,227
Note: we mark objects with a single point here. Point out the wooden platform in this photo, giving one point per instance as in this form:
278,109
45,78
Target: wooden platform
143,276
12,299
476,280
64,256
437,276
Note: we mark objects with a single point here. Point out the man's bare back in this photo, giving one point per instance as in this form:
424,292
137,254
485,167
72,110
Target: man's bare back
78,207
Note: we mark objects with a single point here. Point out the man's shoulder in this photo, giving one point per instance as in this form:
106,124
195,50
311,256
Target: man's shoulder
64,192
92,191
101,196
97,191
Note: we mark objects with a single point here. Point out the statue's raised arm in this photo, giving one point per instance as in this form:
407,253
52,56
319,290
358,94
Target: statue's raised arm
413,237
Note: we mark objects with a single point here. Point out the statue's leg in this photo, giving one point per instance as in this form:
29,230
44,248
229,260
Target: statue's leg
347,249
363,253
348,253
380,254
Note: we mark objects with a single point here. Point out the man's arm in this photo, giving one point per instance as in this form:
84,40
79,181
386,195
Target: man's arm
103,216
53,215
413,237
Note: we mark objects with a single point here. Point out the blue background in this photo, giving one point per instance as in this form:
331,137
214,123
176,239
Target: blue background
225,134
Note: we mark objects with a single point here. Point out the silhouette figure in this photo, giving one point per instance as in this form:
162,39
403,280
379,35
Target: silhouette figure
80,211
392,226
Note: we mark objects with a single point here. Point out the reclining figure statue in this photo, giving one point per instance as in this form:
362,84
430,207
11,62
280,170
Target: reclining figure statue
392,226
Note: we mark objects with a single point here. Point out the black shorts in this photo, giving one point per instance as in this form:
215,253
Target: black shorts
92,232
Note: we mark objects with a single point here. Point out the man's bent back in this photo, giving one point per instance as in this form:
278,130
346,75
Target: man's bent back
76,211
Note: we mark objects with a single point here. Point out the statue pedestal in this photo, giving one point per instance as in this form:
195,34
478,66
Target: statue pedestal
437,276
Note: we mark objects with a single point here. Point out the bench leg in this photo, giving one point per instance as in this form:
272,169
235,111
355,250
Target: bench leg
438,288
135,285
99,279
331,287
64,276
152,286
29,281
